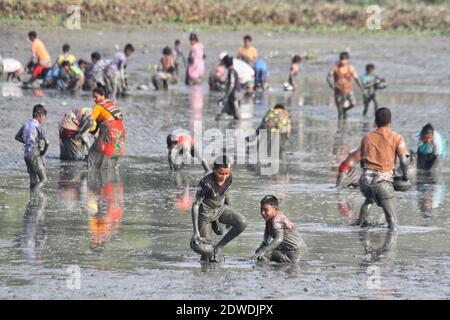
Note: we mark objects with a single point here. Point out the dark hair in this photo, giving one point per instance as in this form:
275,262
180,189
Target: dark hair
65,63
171,140
100,89
383,117
370,66
38,110
81,61
193,37
222,162
296,59
167,51
32,34
30,66
129,47
66,48
428,128
228,61
279,106
95,55
344,56
271,200
247,37
177,42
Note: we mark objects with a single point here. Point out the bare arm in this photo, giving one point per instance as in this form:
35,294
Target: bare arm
195,213
355,76
19,134
277,240
330,78
46,143
204,163
169,159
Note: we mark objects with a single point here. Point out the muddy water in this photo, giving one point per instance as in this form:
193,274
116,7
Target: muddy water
128,232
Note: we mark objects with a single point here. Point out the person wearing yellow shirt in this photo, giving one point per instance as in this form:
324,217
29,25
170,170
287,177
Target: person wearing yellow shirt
110,142
248,53
66,56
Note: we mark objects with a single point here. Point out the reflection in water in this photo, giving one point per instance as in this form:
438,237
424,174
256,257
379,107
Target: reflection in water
346,207
183,199
196,104
374,253
430,192
105,206
72,184
33,236
11,89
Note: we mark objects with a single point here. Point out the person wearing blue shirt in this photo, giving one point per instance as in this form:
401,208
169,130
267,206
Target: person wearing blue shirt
32,135
429,148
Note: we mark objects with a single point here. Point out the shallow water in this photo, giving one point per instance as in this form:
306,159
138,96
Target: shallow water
129,232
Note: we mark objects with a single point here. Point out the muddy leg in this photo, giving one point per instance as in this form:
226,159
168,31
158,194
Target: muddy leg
238,224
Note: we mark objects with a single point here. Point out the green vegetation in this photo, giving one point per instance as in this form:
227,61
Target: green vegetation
404,16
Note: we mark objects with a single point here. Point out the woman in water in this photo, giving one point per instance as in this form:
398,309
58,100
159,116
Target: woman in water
196,61
110,143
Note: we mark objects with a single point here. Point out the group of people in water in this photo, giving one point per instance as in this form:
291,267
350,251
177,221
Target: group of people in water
97,135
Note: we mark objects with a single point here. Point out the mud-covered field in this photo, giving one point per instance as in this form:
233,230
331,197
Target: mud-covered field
129,232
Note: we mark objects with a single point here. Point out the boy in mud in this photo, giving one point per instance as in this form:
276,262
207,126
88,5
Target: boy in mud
178,147
429,148
211,207
166,71
115,76
248,53
379,152
73,78
178,56
40,61
293,72
286,246
94,72
12,68
232,99
342,74
32,135
371,83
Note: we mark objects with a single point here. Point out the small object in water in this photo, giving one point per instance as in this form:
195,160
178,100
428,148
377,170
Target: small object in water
288,87
142,87
401,185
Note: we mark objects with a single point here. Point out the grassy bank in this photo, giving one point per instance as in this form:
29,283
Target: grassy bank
405,16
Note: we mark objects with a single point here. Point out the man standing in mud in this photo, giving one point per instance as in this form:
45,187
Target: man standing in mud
342,74
379,151
211,207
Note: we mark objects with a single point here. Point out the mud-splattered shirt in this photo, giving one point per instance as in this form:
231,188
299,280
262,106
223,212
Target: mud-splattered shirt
281,224
213,197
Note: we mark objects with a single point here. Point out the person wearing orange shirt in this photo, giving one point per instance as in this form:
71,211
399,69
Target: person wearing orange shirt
39,50
379,152
110,143
179,146
248,53
40,61
343,73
